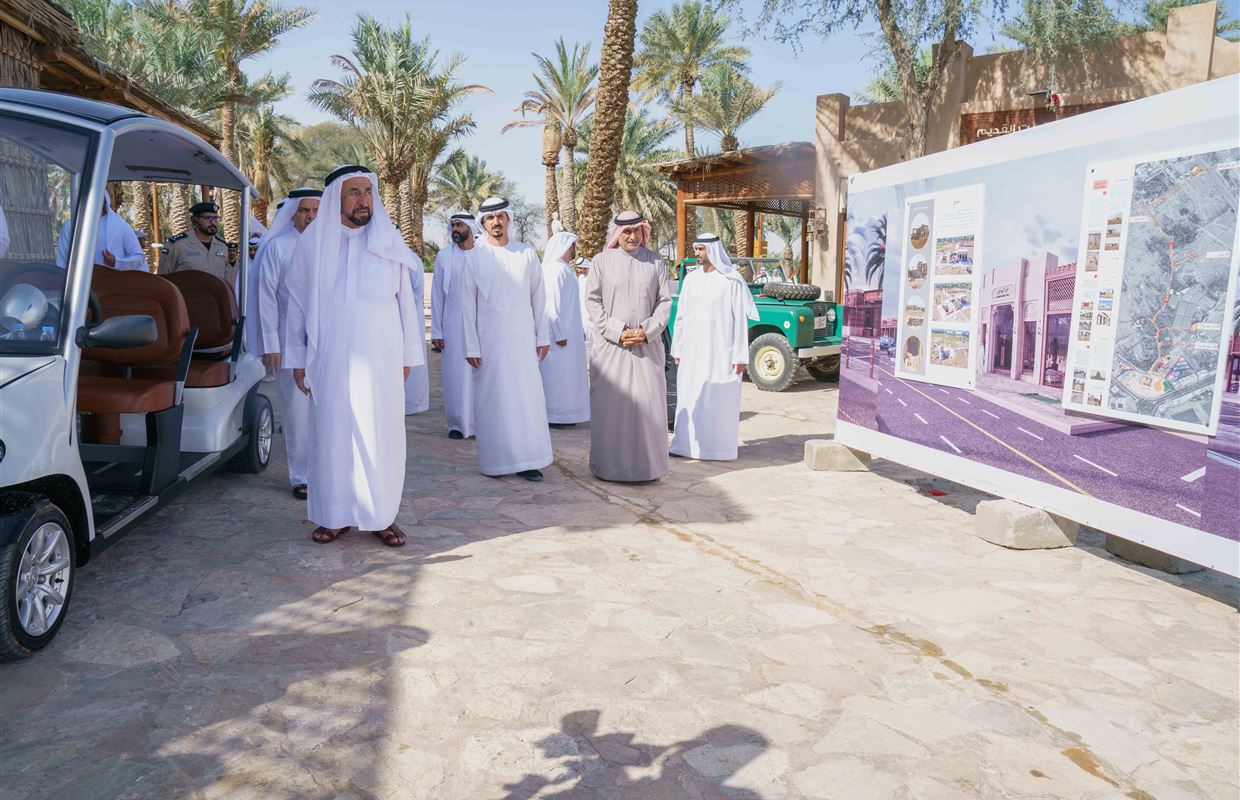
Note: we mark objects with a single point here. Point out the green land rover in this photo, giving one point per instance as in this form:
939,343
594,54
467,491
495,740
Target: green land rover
794,326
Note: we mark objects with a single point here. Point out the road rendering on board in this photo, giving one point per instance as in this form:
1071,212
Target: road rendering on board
1099,464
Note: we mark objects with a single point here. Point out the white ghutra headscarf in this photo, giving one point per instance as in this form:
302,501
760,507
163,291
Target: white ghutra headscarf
316,262
720,261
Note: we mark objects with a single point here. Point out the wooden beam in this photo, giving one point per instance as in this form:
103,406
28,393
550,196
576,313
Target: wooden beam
747,246
682,225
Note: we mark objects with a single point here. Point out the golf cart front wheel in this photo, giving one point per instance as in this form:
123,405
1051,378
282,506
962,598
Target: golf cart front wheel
260,425
772,363
37,572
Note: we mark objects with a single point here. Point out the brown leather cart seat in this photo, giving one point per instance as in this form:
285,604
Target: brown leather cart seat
212,307
133,292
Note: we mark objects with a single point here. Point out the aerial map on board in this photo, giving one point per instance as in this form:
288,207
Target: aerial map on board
1176,269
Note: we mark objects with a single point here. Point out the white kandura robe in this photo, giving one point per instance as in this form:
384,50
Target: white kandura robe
504,319
357,421
566,381
586,328
272,288
457,377
418,384
710,337
115,235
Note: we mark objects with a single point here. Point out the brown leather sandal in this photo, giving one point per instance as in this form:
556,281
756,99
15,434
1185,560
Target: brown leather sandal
327,535
392,536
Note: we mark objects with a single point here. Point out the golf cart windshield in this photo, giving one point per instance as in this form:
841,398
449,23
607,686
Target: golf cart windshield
42,179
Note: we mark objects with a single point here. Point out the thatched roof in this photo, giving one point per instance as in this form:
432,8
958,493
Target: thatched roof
750,156
65,66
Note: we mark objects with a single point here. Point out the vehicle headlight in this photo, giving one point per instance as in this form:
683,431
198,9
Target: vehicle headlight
831,314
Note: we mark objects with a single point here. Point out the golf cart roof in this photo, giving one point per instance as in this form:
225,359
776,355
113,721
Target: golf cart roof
146,149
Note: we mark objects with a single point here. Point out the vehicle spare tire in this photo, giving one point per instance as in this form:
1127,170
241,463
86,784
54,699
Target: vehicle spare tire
791,291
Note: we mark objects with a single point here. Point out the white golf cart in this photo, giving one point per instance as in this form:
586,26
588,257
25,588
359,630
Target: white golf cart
118,389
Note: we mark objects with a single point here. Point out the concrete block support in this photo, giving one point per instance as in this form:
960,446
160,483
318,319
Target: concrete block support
1020,527
1149,557
824,455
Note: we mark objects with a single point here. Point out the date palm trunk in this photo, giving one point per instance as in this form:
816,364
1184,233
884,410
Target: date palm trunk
611,102
230,202
406,213
568,198
552,204
417,216
144,217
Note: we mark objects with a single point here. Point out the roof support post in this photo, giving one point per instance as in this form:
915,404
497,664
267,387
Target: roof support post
682,224
747,248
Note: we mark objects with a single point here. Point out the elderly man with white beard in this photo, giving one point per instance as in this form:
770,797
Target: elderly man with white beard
505,323
447,330
566,384
267,302
352,334
711,347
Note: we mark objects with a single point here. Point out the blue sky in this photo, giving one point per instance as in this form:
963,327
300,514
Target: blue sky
497,39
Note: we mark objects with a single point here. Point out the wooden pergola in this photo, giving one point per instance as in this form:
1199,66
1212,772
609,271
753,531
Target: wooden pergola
775,179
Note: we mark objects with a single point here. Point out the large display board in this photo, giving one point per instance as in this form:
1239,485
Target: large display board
1124,218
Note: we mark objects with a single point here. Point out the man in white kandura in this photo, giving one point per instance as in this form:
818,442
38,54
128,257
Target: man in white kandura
269,295
447,333
352,333
711,345
566,383
418,384
505,322
581,267
116,244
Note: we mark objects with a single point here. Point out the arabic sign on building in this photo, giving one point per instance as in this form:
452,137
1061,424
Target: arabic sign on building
978,127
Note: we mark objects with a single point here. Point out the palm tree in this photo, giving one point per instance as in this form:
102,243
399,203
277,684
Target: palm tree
885,86
269,143
728,101
876,251
677,50
463,182
611,103
436,127
637,184
241,30
564,96
381,93
788,229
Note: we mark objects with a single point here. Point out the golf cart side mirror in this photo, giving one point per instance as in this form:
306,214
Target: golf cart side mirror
119,333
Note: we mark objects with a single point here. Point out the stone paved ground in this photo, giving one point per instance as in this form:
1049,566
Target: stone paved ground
752,631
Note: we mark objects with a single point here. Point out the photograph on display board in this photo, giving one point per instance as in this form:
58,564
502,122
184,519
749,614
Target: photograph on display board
944,244
1023,326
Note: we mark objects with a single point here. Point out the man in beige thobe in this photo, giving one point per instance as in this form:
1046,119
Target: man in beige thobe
628,301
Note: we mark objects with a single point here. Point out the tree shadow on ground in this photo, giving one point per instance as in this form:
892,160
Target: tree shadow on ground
589,764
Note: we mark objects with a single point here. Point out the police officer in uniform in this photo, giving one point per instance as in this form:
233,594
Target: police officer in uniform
200,248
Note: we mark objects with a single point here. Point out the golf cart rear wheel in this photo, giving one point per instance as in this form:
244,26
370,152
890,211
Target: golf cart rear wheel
824,369
791,291
772,364
260,424
37,572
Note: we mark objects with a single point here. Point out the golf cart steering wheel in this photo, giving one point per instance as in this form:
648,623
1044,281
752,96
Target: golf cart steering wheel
92,301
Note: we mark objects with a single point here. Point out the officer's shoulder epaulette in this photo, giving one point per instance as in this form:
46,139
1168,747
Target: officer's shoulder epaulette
219,238
178,237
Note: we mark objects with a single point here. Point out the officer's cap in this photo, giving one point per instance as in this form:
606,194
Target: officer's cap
203,208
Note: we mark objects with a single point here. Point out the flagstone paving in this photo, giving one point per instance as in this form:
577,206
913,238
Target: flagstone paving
751,630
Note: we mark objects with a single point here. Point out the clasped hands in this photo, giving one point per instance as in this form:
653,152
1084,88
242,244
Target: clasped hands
632,337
